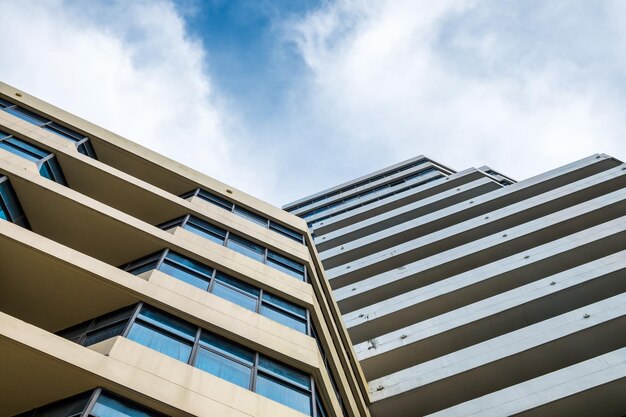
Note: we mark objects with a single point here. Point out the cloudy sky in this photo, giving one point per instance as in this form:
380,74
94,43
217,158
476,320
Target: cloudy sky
282,98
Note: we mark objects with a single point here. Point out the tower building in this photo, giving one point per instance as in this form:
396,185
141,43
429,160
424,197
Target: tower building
134,286
469,294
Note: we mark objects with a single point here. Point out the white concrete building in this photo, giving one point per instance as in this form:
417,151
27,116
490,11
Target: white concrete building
466,293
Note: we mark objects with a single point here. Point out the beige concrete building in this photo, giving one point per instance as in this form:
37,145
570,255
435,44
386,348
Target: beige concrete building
134,286
469,294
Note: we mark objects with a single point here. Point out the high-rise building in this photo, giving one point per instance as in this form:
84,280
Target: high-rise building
133,286
469,294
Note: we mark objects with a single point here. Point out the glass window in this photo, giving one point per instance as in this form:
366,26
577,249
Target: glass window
185,275
218,201
226,347
113,406
277,301
160,341
206,230
10,208
64,132
223,367
236,291
67,407
283,318
245,247
286,265
250,216
168,322
283,393
23,149
104,333
284,371
286,232
26,115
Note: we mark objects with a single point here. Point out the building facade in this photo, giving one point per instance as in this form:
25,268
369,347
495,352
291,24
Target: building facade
134,286
469,294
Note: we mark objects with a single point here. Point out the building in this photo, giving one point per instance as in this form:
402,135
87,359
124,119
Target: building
134,286
468,294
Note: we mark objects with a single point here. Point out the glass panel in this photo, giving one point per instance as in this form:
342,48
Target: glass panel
168,322
109,406
245,247
226,347
68,407
184,275
4,103
286,232
283,393
19,148
206,230
253,291
281,267
64,132
86,148
26,115
218,201
104,333
11,208
285,371
234,296
247,214
283,318
195,265
160,341
53,166
300,311
44,171
224,368
286,261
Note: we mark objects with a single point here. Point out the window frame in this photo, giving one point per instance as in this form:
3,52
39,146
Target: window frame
157,259
244,213
197,344
82,142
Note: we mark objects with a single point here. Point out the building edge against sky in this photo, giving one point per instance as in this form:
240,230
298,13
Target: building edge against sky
468,293
131,282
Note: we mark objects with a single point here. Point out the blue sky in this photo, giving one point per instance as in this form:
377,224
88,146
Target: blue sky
284,98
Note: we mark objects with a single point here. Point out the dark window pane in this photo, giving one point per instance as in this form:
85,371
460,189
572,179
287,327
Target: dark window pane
10,206
160,341
283,393
22,149
168,322
286,265
86,148
206,230
195,265
283,318
228,293
286,232
218,201
104,333
245,247
64,132
68,407
26,115
226,347
233,282
285,371
110,406
185,275
224,368
277,301
53,171
247,214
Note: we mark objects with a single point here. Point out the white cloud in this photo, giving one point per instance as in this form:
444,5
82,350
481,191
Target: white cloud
132,68
523,89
